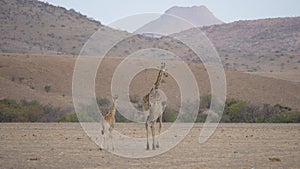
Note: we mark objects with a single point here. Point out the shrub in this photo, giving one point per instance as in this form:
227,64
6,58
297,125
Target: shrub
169,115
104,105
21,78
70,117
282,108
134,99
102,101
201,117
286,117
205,102
47,88
121,119
26,111
274,159
268,111
236,111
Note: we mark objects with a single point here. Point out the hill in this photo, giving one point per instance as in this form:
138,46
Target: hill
266,45
31,26
270,45
177,19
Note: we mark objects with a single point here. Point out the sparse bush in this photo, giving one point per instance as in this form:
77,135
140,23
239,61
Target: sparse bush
26,111
291,57
282,108
252,114
169,115
120,118
102,101
259,114
51,35
205,102
134,99
21,78
47,88
86,116
277,51
235,111
104,105
201,117
274,159
286,117
126,52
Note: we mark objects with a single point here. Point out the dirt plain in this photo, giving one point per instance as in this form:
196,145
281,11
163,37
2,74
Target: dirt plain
66,145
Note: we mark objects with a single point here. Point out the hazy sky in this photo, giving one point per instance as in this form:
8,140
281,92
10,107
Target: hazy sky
227,10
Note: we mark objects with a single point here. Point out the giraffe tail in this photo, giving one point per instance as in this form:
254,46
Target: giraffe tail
102,124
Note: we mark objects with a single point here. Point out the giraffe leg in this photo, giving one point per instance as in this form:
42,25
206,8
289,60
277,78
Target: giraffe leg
159,130
102,146
147,131
153,134
104,140
111,139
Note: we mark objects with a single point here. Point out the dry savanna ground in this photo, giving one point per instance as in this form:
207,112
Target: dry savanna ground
65,145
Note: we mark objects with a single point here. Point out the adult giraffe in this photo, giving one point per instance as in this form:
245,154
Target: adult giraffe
155,104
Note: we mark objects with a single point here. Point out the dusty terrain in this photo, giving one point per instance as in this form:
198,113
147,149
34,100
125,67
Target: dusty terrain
58,145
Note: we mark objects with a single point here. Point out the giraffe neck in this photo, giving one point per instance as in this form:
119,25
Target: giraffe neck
111,114
146,103
113,109
158,79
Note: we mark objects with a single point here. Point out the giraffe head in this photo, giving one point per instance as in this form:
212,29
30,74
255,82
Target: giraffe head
164,69
115,98
162,73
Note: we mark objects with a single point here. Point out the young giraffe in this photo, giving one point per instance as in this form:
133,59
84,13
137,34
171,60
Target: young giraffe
156,107
108,123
